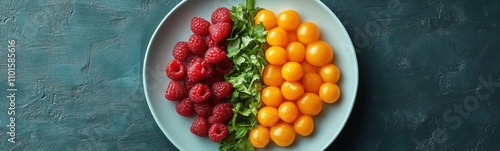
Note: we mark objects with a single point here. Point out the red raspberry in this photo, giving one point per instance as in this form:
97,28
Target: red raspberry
199,93
194,59
220,31
189,84
215,78
217,132
224,66
210,71
222,89
199,26
220,100
223,47
210,42
214,55
200,127
222,113
196,71
181,51
196,44
185,107
222,14
203,109
175,91
175,70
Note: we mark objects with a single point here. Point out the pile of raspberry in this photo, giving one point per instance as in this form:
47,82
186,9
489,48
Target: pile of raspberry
197,76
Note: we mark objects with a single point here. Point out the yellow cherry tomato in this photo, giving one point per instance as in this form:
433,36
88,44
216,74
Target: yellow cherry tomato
282,134
271,96
267,18
271,76
330,73
312,82
276,55
304,125
288,19
329,92
310,104
268,116
292,71
319,53
292,90
288,112
277,37
308,32
295,51
259,136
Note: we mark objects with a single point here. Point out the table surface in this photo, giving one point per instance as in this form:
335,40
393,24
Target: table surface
429,74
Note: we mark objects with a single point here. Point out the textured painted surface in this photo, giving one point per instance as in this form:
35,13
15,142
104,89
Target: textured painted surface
80,88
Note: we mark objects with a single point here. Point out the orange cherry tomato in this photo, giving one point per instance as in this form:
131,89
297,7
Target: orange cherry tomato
319,53
304,125
312,82
277,37
288,19
330,73
259,136
268,116
271,96
267,18
310,104
308,32
295,51
282,134
288,112
271,76
308,68
329,92
292,71
292,90
276,55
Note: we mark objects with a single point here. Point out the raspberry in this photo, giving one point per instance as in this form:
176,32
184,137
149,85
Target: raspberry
217,132
189,84
215,78
196,71
203,109
185,107
210,42
221,14
199,26
200,127
224,66
222,89
219,100
214,55
220,31
197,45
210,71
175,70
223,48
199,93
222,113
181,51
175,91
194,59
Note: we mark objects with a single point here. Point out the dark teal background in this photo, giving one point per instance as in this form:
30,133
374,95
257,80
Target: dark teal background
421,64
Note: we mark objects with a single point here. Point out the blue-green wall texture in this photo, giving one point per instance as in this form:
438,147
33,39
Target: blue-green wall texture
429,74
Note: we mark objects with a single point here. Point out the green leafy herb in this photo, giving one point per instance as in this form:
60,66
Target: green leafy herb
245,50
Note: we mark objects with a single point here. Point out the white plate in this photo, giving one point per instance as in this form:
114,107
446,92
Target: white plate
175,27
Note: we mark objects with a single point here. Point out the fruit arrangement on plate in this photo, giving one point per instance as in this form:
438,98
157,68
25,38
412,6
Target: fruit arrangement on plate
249,77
